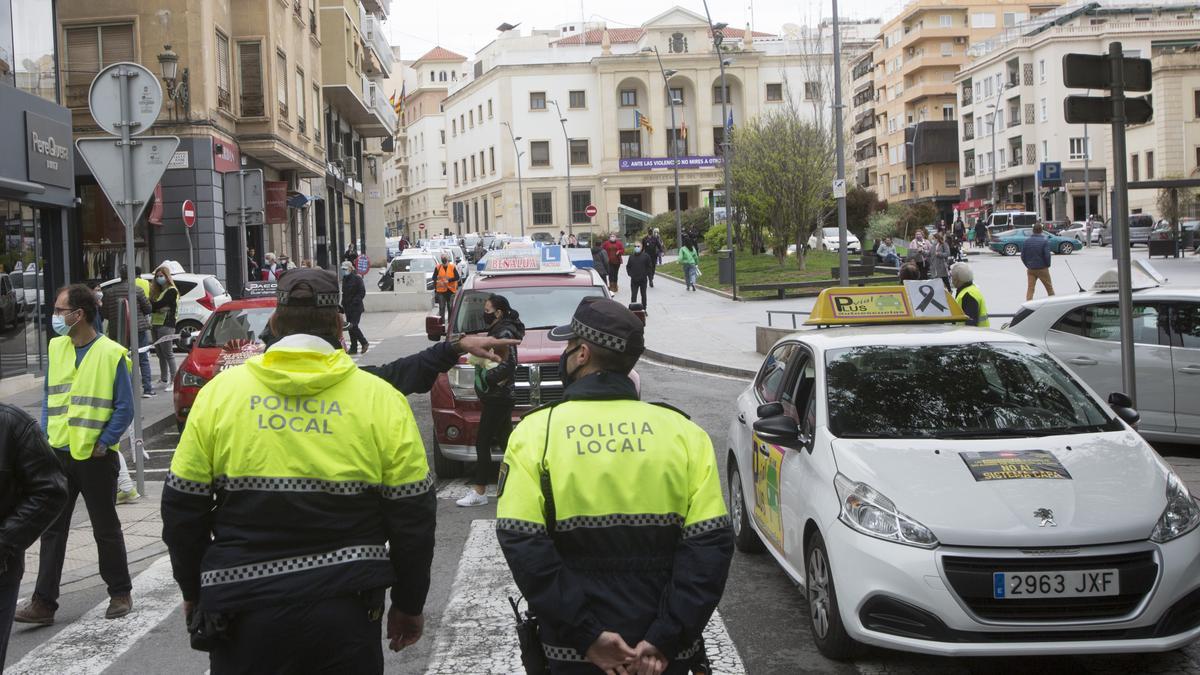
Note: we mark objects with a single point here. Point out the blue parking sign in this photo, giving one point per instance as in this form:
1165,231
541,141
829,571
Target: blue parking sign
1050,173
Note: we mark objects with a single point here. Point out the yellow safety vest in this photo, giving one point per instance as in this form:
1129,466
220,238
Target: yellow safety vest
608,459
159,317
143,284
974,292
80,400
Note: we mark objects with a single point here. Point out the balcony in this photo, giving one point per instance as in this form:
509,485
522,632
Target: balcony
935,142
935,60
865,96
381,7
1016,156
968,94
374,36
939,33
928,89
969,169
382,107
865,122
968,131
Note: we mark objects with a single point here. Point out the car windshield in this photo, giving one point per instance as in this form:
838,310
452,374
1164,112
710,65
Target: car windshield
955,391
830,231
413,264
237,324
539,306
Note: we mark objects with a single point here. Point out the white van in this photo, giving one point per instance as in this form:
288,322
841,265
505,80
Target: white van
1003,221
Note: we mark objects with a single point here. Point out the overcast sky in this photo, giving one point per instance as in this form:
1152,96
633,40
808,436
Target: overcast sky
467,25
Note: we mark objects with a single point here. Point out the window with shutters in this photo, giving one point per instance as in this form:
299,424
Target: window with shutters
88,50
579,152
224,98
300,107
539,153
250,80
316,116
281,84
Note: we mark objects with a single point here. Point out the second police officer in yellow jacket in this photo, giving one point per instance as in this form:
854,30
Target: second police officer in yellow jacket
610,512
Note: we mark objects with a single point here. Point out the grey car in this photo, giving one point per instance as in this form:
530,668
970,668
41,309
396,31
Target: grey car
1140,225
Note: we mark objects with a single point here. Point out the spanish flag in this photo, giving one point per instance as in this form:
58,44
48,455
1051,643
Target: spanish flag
398,104
640,120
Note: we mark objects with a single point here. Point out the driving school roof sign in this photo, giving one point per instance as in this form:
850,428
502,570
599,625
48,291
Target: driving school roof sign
915,301
546,260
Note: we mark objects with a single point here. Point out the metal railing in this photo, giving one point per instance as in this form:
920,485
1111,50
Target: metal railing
373,34
379,103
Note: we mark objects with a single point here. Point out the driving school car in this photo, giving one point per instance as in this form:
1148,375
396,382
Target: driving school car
952,490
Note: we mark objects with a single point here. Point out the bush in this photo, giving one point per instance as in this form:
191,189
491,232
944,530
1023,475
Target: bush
665,222
714,238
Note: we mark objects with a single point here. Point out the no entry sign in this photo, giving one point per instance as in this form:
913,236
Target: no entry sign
591,211
189,213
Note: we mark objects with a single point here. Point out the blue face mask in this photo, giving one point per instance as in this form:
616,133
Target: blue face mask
637,249
60,325
162,281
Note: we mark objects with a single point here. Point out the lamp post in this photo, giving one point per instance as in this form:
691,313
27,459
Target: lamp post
912,176
667,75
570,207
718,36
520,186
178,88
995,108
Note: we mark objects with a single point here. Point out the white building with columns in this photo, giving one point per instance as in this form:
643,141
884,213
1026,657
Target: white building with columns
603,81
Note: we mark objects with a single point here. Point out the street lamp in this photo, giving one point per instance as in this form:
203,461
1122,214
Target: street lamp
570,207
178,88
995,108
671,100
912,176
718,36
520,186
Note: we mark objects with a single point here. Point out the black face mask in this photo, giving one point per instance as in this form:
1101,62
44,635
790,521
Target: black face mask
488,318
567,377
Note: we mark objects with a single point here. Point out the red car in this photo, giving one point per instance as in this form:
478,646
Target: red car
545,297
230,336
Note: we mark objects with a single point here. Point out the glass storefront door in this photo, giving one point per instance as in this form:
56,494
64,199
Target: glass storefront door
22,289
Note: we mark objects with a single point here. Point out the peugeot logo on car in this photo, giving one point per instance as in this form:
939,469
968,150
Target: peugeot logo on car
1046,516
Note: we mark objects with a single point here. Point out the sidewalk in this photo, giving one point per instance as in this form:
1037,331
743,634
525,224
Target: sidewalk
158,411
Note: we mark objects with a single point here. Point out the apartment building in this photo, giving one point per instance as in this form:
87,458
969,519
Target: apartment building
1011,98
356,61
247,93
590,100
903,97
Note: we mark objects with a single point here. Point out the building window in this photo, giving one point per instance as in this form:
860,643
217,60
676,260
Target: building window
775,91
721,96
250,80
462,123
489,108
537,100
812,91
281,85
578,99
1079,148
579,203
631,144
1042,70
474,175
628,98
952,177
481,169
677,95
947,112
1045,110
441,136
471,118
224,76
579,152
539,153
480,113
946,21
983,20
88,50
719,141
1149,164
443,168
453,127
455,173
1135,169
300,98
316,116
492,159
679,138
543,208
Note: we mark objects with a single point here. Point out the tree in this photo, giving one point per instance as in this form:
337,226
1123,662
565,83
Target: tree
861,203
1175,204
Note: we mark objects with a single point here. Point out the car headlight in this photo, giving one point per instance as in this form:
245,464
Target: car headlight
1181,516
462,382
866,510
191,380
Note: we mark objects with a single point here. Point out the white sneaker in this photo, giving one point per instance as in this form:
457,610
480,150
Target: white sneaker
473,498
170,387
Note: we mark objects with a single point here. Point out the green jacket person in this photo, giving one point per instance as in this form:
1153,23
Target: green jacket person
625,563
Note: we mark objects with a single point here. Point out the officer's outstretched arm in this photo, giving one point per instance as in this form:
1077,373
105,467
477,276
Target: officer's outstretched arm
555,593
187,500
409,504
702,556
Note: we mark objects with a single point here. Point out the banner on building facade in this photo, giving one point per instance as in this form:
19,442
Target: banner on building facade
648,163
276,196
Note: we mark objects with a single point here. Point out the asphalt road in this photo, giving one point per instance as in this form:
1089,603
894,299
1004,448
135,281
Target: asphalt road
764,613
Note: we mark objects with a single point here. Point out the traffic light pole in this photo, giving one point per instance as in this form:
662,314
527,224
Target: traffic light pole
1120,219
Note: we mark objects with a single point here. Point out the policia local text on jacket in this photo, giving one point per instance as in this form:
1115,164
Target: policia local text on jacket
641,542
292,474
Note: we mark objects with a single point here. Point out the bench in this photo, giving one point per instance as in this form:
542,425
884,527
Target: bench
821,284
861,267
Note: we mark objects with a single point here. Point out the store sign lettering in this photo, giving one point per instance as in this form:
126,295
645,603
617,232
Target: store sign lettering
48,151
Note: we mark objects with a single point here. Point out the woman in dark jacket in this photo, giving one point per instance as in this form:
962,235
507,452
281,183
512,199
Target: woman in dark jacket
353,292
600,262
494,386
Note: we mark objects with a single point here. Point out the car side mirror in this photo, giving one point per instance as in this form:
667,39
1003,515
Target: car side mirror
774,409
188,341
1122,405
779,430
434,328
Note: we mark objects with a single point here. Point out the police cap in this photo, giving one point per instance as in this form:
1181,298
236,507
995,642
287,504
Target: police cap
308,287
604,323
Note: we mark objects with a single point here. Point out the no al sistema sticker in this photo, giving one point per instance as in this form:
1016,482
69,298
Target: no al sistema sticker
1015,465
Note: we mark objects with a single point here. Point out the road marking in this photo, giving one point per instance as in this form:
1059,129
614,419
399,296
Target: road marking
91,644
477,632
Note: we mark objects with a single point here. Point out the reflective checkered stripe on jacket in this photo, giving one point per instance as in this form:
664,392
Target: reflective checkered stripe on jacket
79,401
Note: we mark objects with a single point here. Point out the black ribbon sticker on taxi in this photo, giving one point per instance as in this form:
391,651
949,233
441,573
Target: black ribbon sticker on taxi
1014,465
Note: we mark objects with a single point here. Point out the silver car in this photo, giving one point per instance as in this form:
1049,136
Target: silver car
1083,330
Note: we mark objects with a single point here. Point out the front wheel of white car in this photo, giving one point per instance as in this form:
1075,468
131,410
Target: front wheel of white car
824,619
745,538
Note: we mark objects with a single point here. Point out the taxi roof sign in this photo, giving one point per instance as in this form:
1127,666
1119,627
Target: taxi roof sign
1143,275
544,260
925,301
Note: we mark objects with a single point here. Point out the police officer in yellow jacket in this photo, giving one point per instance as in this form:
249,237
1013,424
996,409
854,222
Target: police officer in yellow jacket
292,474
610,513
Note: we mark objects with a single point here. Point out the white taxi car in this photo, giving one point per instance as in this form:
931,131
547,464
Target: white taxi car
951,490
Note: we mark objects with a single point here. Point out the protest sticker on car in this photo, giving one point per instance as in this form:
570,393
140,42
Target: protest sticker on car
1015,465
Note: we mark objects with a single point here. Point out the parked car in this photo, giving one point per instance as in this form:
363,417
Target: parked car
829,239
199,296
1164,231
544,237
1012,241
1078,230
1140,226
10,309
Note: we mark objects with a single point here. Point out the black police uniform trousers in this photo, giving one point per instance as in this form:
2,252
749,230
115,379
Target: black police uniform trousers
341,634
96,479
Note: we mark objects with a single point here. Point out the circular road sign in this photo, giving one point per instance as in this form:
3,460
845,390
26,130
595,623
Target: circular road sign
189,213
421,226
591,211
145,98
362,264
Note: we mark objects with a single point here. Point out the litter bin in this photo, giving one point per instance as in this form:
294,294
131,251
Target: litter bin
725,266
1188,240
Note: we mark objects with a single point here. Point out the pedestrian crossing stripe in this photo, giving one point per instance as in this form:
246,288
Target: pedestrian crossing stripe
477,634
